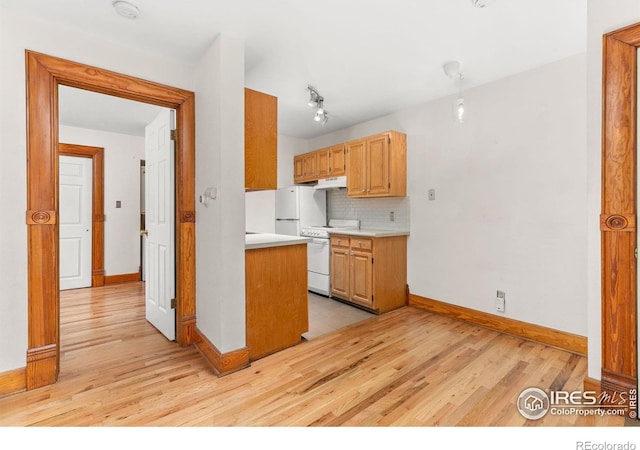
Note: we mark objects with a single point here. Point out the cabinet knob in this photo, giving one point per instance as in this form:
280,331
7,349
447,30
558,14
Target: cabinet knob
360,243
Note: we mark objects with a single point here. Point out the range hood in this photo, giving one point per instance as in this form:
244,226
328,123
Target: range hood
332,183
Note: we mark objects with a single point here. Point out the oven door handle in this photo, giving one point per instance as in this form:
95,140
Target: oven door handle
320,241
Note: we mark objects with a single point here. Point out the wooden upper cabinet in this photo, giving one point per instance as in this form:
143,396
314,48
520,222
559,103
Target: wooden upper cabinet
260,140
331,162
305,168
357,168
377,166
337,165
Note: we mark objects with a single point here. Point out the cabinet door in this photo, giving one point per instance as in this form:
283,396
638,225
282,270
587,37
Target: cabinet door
298,169
260,140
324,164
340,273
356,168
336,161
378,165
310,166
361,278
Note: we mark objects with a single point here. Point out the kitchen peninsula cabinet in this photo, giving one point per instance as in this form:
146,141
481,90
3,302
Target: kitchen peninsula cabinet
277,311
377,165
260,141
370,272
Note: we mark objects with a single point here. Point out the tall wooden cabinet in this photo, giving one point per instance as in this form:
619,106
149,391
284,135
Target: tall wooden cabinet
260,140
369,272
377,166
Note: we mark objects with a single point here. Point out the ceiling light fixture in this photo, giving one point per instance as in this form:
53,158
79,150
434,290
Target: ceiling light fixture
481,3
126,9
317,101
452,70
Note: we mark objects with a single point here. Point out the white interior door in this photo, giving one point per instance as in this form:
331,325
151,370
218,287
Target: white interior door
75,183
159,219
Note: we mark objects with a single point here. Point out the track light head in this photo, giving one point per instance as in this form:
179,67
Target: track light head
315,99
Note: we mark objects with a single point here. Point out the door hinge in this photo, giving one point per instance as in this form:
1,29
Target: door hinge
173,135
636,253
173,303
371,260
372,298
389,185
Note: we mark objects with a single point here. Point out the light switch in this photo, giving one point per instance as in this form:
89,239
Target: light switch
118,204
432,194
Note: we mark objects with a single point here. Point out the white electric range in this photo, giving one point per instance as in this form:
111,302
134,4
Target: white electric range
319,252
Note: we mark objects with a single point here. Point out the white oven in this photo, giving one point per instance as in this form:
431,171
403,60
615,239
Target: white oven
319,253
318,261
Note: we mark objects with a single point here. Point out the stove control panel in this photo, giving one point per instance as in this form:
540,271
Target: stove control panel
310,232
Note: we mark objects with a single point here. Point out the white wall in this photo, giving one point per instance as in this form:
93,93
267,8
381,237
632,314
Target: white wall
602,17
18,33
511,195
288,147
122,155
220,230
260,205
260,211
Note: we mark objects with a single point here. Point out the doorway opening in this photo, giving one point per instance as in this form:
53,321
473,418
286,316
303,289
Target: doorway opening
44,75
128,133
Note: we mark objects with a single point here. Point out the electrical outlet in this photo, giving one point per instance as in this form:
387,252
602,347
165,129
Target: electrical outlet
392,216
432,194
500,301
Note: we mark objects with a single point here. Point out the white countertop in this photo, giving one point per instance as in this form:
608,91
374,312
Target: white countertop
371,232
265,240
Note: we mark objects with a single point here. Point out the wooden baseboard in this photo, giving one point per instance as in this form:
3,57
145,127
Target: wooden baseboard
548,336
591,384
222,364
13,381
122,278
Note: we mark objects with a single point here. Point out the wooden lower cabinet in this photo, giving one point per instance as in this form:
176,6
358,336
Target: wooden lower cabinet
276,298
370,272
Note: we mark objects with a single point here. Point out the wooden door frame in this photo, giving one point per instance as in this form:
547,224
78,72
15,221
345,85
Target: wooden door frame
97,204
619,216
44,74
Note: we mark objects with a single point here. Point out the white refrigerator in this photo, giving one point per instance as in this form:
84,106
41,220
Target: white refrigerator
298,207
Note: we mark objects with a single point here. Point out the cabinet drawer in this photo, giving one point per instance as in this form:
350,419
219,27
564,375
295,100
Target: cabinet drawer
358,243
340,241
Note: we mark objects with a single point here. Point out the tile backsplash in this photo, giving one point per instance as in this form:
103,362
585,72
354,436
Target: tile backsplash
372,212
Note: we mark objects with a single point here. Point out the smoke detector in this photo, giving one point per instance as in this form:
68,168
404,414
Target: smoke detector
481,3
126,9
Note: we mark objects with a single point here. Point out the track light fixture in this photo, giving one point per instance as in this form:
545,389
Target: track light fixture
317,101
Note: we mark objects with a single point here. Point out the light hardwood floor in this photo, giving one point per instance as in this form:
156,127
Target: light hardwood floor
404,368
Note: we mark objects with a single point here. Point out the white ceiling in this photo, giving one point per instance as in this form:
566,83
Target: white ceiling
366,57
